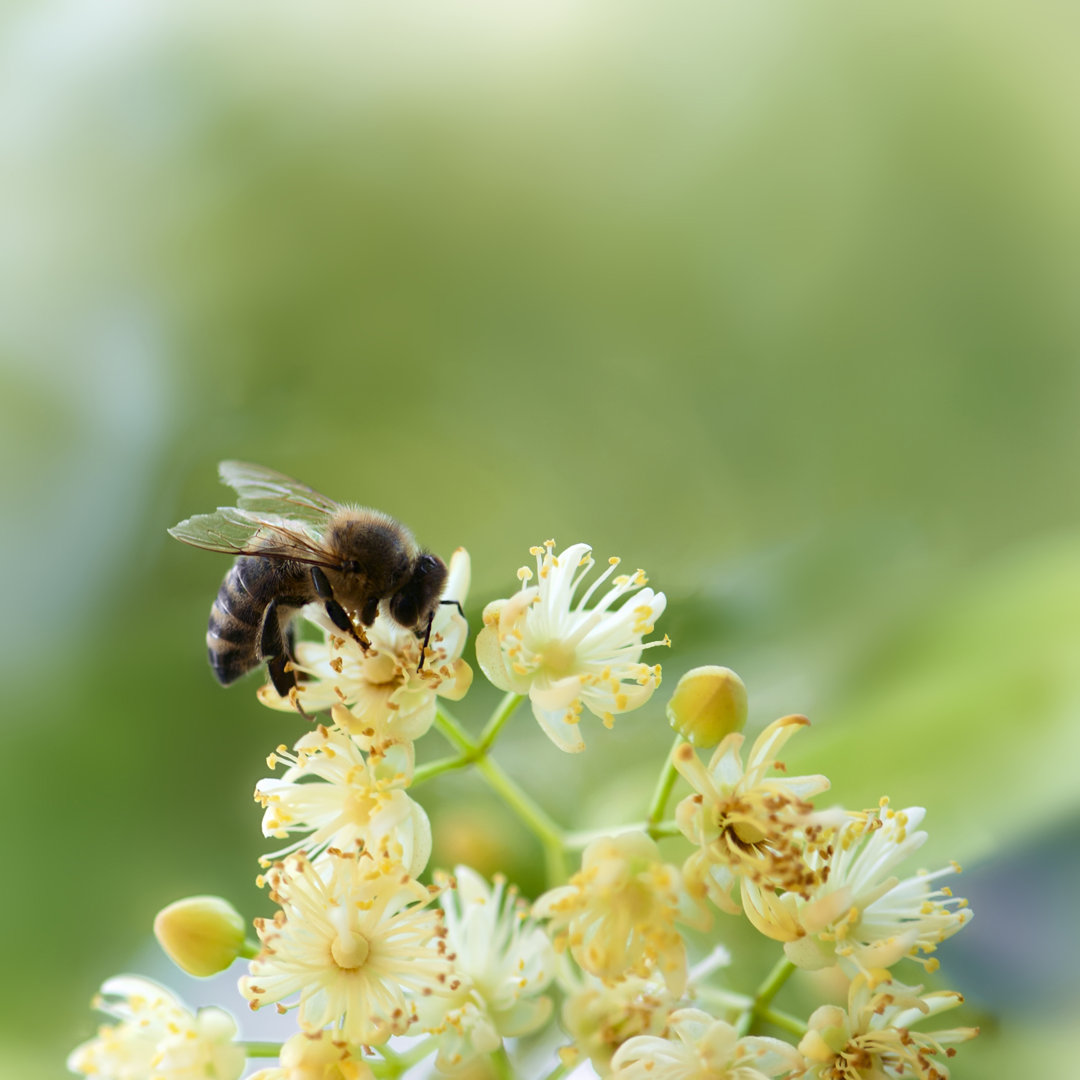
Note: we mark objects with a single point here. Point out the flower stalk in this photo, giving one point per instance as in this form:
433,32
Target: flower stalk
769,988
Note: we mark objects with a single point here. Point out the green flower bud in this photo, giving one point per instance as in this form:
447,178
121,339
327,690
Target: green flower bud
201,934
708,703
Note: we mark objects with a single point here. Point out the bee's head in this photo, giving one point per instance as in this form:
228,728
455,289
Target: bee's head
414,603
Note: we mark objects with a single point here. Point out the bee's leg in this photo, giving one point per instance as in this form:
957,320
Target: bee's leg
338,615
284,681
423,647
276,644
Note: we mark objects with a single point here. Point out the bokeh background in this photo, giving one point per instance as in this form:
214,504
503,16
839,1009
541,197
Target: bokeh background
777,301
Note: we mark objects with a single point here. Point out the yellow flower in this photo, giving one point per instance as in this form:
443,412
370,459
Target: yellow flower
353,934
750,827
564,655
384,694
157,1037
316,1056
874,1037
503,962
600,1016
336,797
701,1048
618,913
862,915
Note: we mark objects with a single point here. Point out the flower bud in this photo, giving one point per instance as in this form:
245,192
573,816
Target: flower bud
708,703
201,934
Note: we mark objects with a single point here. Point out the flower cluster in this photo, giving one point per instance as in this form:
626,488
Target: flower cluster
157,1036
382,972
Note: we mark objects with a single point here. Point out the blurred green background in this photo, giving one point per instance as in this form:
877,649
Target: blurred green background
777,302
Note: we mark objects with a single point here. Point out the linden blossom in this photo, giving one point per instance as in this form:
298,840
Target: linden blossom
750,827
565,656
157,1036
874,1037
380,695
320,1055
352,936
864,917
338,798
702,1048
618,913
504,963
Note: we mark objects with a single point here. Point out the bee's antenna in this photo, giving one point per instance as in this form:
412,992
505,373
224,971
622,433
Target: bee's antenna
457,604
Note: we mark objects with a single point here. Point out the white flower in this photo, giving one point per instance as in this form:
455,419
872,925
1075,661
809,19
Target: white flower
389,697
617,913
336,797
565,656
600,1016
316,1057
864,917
353,934
503,962
701,1048
750,825
874,1040
157,1038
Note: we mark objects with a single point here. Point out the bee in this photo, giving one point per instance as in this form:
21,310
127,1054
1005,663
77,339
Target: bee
293,547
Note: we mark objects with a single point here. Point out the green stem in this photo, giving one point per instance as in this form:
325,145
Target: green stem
582,838
664,828
437,768
454,733
724,999
499,717
250,949
769,988
261,1049
501,1062
783,1020
418,1052
557,1072
663,786
544,827
530,812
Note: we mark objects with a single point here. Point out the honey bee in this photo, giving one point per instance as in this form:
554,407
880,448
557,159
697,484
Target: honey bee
293,547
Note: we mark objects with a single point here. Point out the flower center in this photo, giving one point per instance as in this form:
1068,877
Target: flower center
558,658
350,950
379,669
359,807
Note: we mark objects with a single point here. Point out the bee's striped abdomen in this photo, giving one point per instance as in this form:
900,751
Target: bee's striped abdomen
235,617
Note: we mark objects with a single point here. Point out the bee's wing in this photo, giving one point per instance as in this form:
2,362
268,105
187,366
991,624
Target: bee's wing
244,532
265,491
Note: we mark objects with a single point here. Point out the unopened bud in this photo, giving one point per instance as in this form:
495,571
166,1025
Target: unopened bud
202,934
709,703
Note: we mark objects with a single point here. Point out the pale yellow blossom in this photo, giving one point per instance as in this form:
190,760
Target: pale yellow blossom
698,1047
565,655
353,934
873,1039
384,693
332,795
617,914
